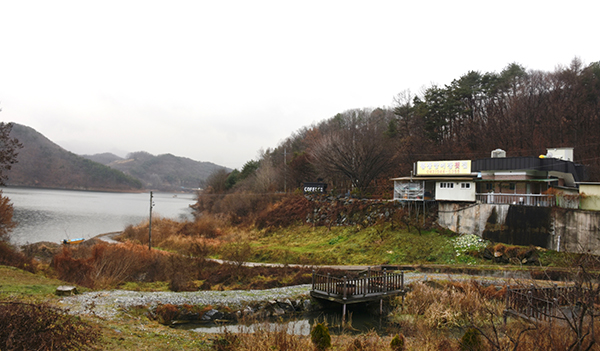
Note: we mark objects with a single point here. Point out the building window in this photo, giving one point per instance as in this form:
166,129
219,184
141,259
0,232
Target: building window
465,185
511,186
489,186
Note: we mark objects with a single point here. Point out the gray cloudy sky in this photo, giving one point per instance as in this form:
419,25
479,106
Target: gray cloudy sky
219,80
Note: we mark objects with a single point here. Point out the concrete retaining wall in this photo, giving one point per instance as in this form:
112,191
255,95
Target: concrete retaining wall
552,228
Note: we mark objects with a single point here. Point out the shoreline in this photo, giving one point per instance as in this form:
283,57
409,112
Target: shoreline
107,237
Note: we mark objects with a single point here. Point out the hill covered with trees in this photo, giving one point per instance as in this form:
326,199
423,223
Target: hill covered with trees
42,163
519,110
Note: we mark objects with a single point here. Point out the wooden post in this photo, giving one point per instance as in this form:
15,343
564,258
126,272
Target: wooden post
402,283
313,280
345,288
344,314
385,281
506,297
328,286
381,306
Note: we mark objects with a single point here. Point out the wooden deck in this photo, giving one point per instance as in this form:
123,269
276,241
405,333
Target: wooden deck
371,285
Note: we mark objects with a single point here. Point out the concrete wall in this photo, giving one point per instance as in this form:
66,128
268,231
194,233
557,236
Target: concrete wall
576,231
591,199
467,218
549,227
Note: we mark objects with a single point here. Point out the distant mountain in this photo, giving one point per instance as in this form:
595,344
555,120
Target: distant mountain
104,158
165,172
42,163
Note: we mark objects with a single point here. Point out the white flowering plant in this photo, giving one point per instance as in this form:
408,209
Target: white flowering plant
468,243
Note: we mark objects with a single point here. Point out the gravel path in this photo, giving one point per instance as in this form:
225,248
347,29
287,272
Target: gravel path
109,304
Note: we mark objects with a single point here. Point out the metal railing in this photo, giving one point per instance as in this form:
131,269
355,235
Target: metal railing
542,200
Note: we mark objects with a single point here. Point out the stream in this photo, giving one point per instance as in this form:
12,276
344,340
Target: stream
361,319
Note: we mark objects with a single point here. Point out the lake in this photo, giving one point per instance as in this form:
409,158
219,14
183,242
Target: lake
55,215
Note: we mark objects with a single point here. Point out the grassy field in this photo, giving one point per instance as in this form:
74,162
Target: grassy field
351,246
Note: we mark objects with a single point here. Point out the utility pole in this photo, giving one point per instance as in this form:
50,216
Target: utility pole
150,224
285,170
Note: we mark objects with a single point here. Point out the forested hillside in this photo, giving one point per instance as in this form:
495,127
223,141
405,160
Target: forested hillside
41,163
521,111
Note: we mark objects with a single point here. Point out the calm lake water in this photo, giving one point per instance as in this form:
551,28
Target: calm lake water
54,215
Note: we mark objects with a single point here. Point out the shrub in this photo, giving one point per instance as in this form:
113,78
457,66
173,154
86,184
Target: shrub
237,253
471,340
207,226
11,257
104,265
292,209
226,342
320,337
6,217
26,326
166,313
181,277
397,343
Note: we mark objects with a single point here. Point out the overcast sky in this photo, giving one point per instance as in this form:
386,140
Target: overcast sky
219,80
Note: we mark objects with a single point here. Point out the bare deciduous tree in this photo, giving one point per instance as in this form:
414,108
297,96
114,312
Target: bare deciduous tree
353,146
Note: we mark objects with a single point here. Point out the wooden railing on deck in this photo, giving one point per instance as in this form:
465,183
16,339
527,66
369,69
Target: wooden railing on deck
541,303
372,283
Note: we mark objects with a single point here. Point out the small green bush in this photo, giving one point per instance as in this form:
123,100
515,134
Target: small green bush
471,341
397,343
320,337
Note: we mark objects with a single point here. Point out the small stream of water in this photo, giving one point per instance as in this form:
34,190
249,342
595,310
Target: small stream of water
361,319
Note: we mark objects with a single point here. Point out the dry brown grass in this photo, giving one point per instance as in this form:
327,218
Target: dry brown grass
269,337
435,315
206,232
453,305
104,265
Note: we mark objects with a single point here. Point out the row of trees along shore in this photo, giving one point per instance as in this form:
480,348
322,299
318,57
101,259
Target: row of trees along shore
518,110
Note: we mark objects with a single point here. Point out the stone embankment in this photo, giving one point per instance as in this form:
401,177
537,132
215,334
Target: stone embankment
344,211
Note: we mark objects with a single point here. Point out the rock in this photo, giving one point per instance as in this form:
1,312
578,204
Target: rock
277,311
212,315
65,290
287,306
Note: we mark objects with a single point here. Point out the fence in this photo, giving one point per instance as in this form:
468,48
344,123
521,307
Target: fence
542,304
542,200
371,284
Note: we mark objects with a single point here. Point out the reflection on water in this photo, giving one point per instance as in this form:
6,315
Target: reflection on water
360,320
54,215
